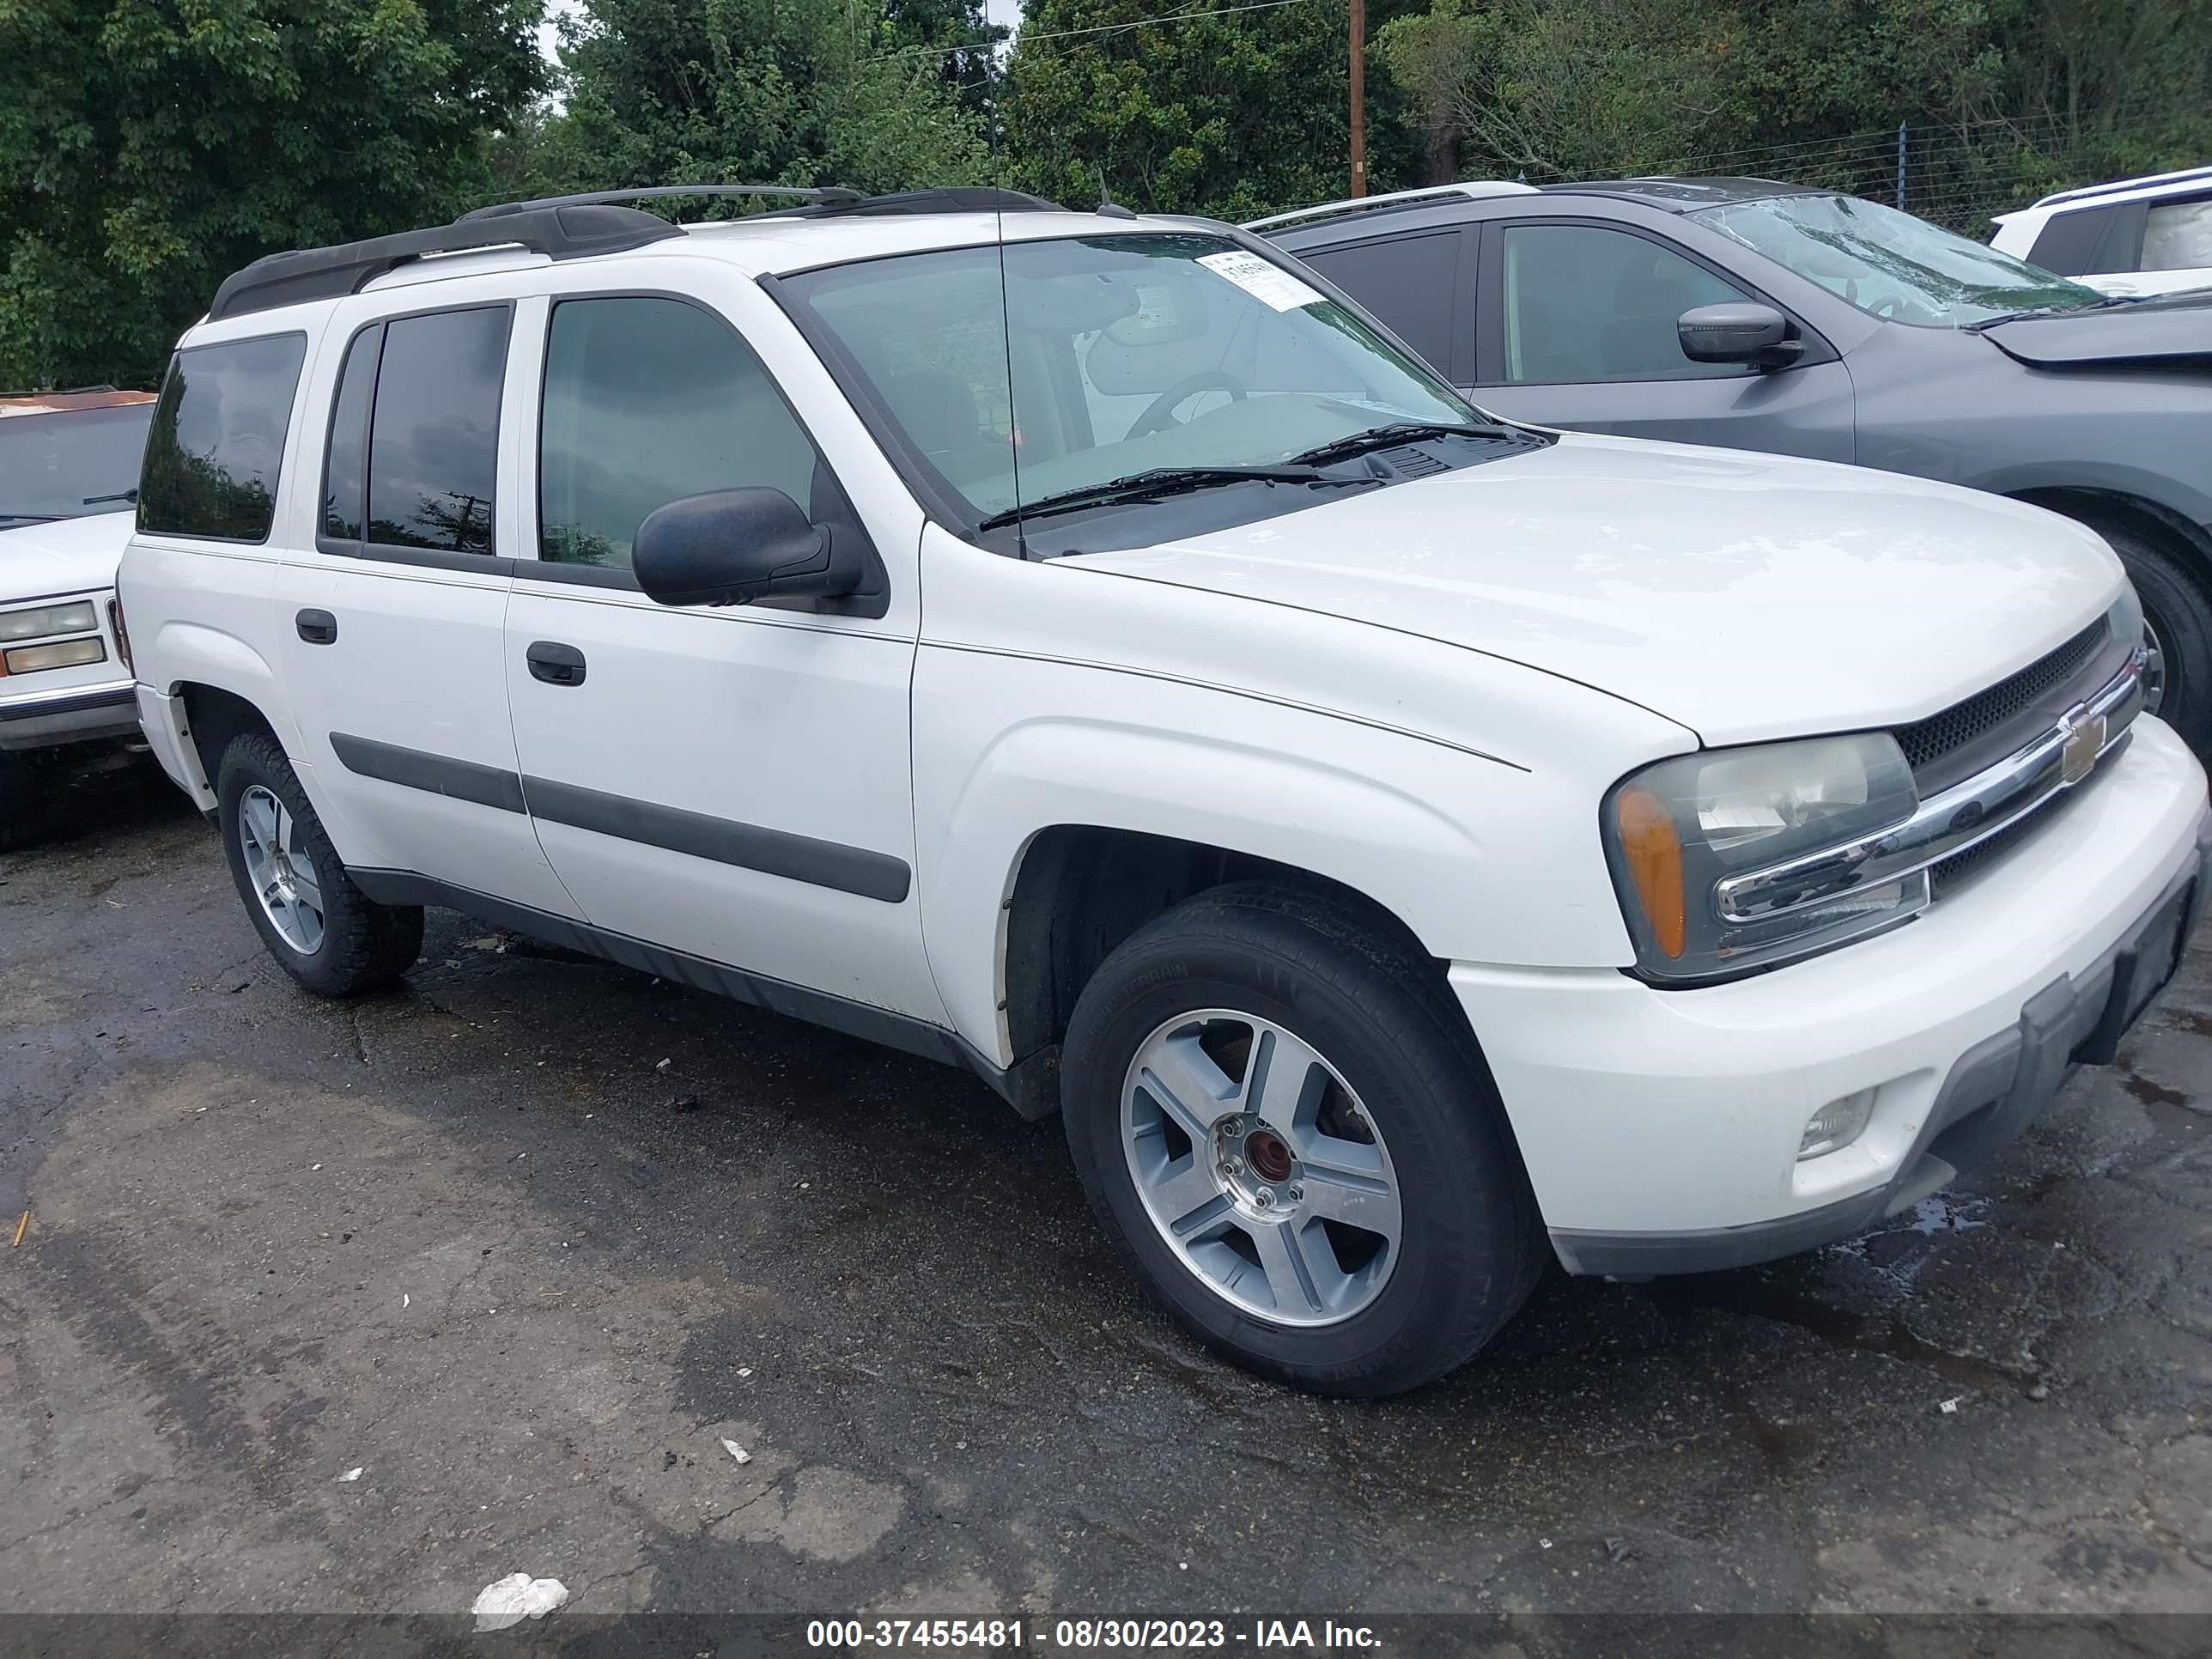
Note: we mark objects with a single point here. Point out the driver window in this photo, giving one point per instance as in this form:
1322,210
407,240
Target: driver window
648,400
1586,303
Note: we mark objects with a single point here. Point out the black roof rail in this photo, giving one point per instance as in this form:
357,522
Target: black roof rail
942,198
826,193
323,273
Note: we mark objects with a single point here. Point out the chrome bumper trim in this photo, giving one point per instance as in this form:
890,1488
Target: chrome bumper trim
1962,817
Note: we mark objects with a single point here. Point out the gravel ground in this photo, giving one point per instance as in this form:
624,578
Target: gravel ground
527,1240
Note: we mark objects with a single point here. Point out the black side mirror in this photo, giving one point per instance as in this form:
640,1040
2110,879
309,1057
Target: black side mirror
1738,332
733,546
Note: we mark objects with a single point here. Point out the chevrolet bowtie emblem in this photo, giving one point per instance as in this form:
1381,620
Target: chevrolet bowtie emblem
2085,741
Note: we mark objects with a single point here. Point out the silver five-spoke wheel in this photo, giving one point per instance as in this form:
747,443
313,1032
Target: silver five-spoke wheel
282,875
1260,1167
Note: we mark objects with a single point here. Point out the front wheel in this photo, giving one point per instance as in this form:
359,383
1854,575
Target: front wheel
323,931
1281,1120
2177,632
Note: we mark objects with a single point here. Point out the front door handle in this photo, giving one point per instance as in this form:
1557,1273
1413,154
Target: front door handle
316,627
555,664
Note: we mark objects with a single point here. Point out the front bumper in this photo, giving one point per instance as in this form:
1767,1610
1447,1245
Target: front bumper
80,714
1660,1128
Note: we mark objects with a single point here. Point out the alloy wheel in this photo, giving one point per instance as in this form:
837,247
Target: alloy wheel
282,874
1261,1168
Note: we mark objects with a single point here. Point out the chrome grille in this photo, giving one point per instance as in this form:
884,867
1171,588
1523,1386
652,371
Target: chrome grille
1940,736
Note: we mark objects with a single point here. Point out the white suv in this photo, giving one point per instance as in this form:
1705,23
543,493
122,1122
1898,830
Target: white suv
2139,236
1407,847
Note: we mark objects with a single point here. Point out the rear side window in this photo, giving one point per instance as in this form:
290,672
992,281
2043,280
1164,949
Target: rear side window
2178,236
1411,284
648,400
414,448
217,440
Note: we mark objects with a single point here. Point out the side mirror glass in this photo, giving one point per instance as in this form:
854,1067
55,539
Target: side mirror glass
733,546
1741,331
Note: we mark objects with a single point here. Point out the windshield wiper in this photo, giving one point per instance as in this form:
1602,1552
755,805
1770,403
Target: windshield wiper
31,517
2110,303
129,496
1158,483
1399,432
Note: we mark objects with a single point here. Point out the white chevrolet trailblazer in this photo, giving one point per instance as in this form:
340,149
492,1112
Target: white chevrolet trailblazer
1406,846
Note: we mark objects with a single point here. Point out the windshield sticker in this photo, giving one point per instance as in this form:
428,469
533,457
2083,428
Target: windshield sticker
1268,283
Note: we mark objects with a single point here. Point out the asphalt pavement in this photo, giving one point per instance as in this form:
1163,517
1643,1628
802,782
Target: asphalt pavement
527,1240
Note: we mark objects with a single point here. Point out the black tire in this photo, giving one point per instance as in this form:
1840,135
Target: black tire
1472,1245
365,944
30,797
2179,615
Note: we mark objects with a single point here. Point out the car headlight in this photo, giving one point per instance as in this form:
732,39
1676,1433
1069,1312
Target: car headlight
76,618
1674,830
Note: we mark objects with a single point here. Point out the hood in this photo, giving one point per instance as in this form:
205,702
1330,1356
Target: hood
2172,332
69,556
1743,596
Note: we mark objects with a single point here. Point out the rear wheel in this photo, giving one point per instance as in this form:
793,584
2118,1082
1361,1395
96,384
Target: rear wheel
1284,1124
326,933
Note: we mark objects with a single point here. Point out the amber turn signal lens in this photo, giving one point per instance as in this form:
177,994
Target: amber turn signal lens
1654,848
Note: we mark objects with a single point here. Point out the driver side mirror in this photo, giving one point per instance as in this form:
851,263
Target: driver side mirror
733,546
1738,332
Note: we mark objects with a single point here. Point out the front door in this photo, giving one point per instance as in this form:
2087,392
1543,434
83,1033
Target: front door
1577,330
391,620
731,783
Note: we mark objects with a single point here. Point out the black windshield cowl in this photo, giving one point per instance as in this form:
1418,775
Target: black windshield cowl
1158,483
1403,432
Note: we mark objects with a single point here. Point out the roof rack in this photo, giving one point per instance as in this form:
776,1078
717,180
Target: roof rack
942,198
1395,200
323,273
2117,185
827,193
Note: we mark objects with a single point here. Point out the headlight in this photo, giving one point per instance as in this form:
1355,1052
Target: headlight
1673,831
75,618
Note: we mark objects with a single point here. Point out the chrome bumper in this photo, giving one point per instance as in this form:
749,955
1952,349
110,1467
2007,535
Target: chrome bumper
1961,817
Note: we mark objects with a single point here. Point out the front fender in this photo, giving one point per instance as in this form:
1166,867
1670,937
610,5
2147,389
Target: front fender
1482,860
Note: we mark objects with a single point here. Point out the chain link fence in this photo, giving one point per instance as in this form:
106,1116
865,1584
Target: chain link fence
1959,175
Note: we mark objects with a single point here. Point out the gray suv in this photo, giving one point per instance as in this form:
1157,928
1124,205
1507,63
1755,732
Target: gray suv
1759,315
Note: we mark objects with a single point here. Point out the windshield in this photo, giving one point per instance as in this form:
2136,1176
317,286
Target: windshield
59,465
1105,356
1891,264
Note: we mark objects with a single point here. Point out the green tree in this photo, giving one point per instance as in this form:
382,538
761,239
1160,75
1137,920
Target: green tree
148,148
1227,113
783,92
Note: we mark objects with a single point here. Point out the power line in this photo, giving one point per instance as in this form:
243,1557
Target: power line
1189,14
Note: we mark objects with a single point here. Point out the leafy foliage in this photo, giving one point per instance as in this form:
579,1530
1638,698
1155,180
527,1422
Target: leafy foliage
148,148
1231,113
785,92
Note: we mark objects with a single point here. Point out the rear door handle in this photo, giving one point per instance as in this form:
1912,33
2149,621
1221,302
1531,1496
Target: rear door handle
555,664
316,627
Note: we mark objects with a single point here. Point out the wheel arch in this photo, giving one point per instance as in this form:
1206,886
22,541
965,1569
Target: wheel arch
2093,506
1078,891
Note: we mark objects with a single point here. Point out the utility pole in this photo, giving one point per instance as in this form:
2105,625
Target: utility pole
1359,97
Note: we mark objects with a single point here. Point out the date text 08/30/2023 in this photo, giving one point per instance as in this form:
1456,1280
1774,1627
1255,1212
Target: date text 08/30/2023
1139,1635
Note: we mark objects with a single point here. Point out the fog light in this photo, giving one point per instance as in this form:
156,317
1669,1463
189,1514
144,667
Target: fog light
1836,1125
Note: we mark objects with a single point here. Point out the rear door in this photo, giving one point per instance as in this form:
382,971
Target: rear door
391,620
1420,285
731,783
1576,328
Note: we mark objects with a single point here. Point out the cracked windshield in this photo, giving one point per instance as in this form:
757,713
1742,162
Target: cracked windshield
1891,264
1110,357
